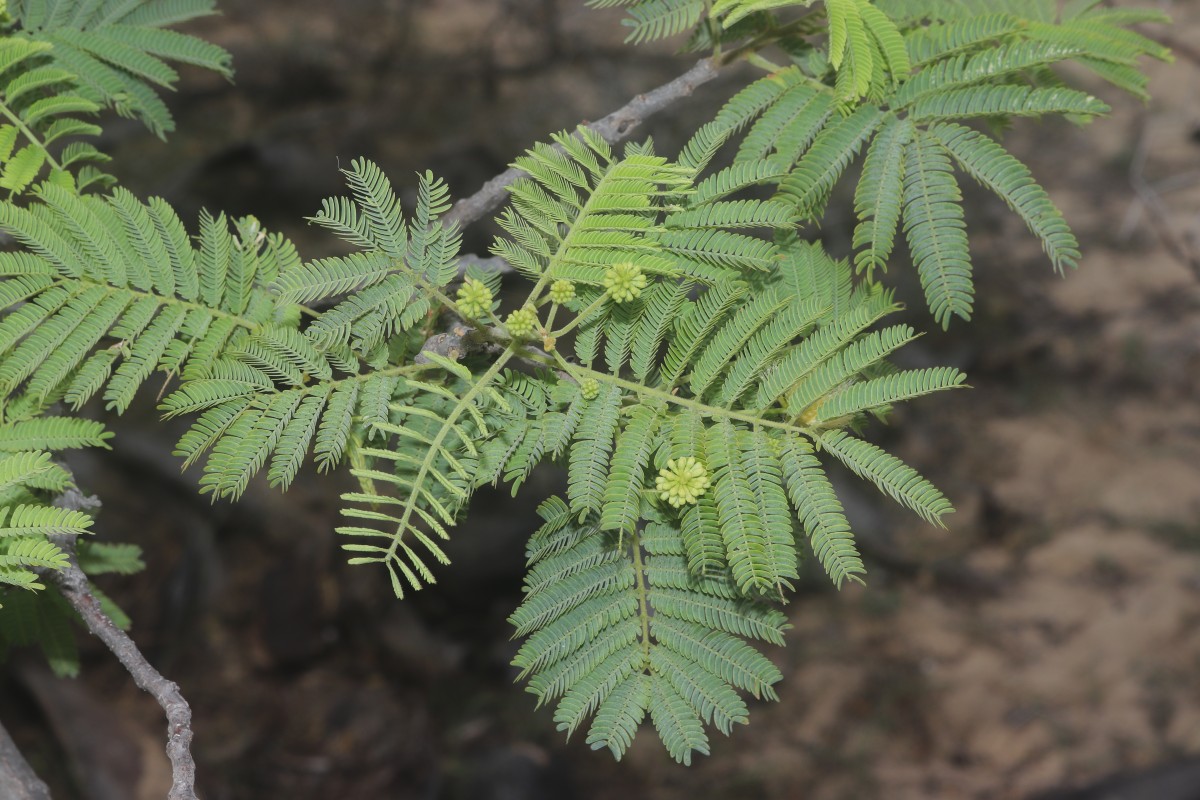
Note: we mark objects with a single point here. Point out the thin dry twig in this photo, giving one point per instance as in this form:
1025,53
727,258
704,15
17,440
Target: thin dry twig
17,779
1149,199
488,264
73,584
613,128
74,587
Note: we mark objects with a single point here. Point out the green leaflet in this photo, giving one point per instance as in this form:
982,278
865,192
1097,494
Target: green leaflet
944,39
877,199
886,81
621,503
964,70
809,186
793,118
29,477
29,480
736,114
42,104
118,52
880,393
835,374
593,442
888,473
52,433
730,338
616,633
987,162
933,224
659,19
418,467
114,303
864,44
395,277
612,212
821,512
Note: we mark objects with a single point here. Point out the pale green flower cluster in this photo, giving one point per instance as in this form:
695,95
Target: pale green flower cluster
562,291
682,481
474,299
521,323
624,281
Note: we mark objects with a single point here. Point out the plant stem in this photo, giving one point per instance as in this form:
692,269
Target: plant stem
77,591
29,134
612,128
763,40
642,592
436,443
577,372
581,317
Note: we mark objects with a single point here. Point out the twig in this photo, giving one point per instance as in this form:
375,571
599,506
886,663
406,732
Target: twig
613,128
74,587
73,584
455,343
18,781
1150,199
489,264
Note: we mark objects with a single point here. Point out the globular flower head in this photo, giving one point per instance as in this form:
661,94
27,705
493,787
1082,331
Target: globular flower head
521,322
562,291
682,481
474,299
589,389
250,231
624,281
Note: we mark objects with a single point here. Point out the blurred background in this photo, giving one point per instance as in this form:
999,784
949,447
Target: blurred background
1047,643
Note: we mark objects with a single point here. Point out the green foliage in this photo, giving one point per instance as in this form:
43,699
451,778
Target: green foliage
748,382
345,386
109,290
117,50
44,620
47,621
29,479
32,534
26,523
692,362
41,105
392,279
65,60
620,630
895,77
582,211
422,434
